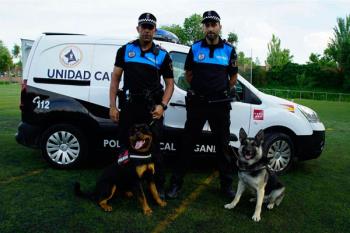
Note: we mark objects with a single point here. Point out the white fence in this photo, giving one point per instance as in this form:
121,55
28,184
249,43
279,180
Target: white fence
295,94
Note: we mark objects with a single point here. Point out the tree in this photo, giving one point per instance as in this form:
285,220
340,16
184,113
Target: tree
17,67
5,58
339,48
322,61
193,28
16,51
232,38
276,56
190,31
242,59
178,31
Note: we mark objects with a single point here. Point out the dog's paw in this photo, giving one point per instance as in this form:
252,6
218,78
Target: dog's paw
107,208
147,212
229,206
270,206
256,218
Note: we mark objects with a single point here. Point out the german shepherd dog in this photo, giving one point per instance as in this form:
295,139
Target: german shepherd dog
132,167
254,174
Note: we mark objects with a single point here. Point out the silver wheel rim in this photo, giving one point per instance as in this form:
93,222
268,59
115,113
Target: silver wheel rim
62,147
280,155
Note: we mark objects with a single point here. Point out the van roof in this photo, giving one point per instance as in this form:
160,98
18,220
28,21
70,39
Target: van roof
110,40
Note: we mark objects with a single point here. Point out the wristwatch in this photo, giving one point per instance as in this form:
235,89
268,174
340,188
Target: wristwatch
164,106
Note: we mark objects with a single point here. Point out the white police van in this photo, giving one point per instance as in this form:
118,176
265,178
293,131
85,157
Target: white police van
65,99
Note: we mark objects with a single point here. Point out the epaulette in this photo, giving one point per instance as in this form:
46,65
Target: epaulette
161,48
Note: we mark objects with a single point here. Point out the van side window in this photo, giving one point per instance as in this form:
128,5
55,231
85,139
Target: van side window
178,68
240,91
245,95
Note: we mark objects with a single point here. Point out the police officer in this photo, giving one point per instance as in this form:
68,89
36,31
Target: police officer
211,69
142,63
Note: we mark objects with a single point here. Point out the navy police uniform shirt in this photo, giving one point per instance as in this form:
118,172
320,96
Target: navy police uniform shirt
211,66
142,69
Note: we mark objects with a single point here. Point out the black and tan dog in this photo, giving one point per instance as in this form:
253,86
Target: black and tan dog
254,174
133,166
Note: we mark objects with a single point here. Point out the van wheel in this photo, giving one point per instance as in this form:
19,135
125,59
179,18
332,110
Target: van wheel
280,151
64,146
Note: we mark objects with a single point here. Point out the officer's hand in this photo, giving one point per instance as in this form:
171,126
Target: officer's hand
114,114
158,111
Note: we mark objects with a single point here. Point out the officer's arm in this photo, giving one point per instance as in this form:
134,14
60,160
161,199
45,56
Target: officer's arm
233,69
189,66
233,80
114,86
169,89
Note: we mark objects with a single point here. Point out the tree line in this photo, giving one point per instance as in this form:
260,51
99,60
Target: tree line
330,70
7,64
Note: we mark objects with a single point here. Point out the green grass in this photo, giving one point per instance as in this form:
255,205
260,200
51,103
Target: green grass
317,191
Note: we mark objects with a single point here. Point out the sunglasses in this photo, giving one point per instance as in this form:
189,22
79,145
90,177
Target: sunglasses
147,26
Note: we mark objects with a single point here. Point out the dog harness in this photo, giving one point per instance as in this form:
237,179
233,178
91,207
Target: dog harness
125,157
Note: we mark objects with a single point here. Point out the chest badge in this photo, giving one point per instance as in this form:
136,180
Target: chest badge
131,54
201,56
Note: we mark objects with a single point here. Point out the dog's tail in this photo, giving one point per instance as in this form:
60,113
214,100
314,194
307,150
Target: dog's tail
80,193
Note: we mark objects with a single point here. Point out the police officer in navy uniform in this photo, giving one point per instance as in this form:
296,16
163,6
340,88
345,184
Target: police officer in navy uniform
211,69
142,63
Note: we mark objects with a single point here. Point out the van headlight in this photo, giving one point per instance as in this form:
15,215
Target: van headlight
310,114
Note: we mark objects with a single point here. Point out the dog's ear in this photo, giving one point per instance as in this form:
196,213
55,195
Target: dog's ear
242,135
259,137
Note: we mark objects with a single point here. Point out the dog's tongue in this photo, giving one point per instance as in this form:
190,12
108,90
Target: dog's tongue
248,156
139,144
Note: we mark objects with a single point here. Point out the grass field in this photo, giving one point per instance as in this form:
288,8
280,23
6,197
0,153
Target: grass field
37,198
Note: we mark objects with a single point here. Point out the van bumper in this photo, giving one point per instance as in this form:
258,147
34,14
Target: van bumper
28,135
311,146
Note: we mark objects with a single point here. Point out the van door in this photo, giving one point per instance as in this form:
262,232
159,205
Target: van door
61,68
241,112
102,68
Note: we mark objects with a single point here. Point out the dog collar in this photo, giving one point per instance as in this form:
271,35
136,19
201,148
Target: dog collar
252,168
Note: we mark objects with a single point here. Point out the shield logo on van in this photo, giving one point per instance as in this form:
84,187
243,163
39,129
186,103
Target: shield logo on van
70,56
201,56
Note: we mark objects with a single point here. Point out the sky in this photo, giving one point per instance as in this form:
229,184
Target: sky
304,27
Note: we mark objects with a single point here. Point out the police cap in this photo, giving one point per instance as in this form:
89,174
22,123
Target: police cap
211,16
147,18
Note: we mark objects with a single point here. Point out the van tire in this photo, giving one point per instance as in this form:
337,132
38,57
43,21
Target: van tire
64,146
279,150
